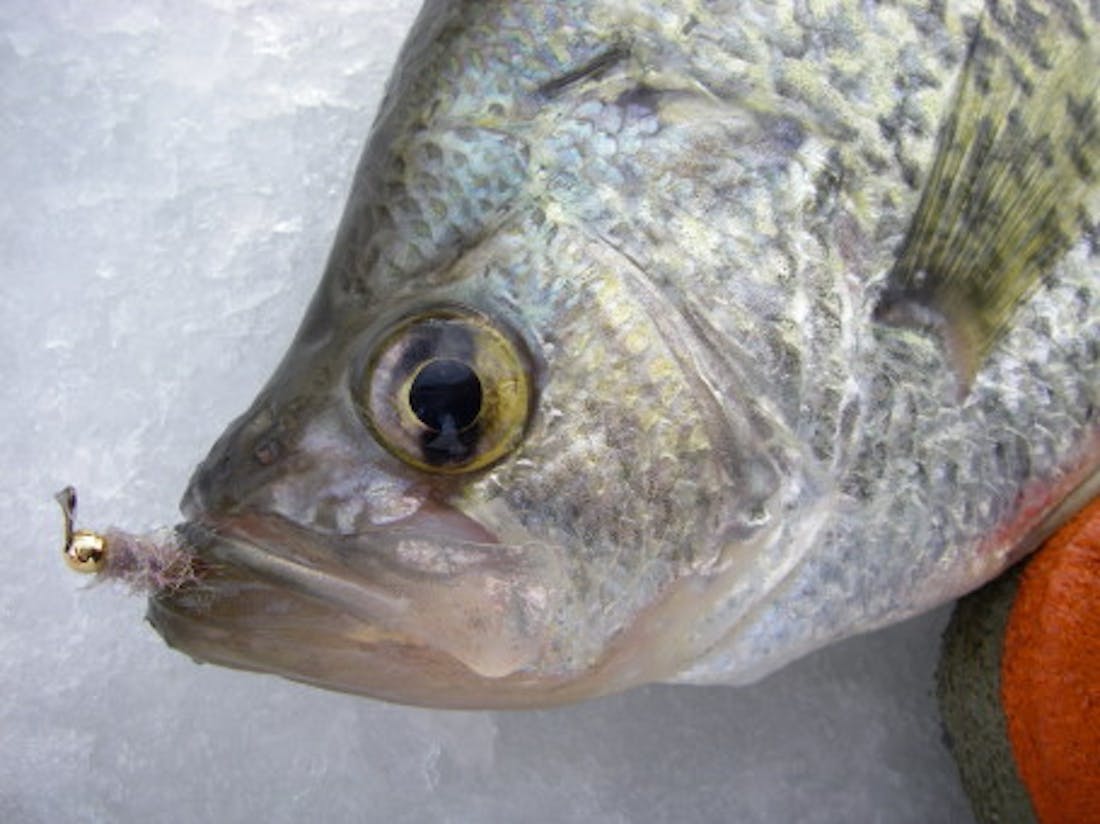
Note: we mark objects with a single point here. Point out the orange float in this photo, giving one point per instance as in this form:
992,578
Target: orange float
1050,674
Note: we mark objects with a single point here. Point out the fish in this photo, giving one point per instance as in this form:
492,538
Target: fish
662,342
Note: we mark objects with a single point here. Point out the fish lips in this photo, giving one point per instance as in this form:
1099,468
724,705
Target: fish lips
421,613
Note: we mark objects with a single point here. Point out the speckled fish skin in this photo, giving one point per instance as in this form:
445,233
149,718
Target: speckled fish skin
689,213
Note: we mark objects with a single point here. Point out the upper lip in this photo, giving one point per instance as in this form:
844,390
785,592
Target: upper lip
368,575
283,553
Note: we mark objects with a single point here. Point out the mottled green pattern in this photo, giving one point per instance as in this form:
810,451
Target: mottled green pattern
1016,172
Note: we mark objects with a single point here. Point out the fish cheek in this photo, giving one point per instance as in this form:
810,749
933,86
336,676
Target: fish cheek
617,478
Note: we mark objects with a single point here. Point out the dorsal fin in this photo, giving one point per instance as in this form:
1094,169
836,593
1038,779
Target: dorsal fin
1017,163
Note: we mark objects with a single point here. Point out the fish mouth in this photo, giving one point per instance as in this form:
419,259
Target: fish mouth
431,611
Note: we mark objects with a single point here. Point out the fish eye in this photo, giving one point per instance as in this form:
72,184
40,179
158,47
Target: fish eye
446,390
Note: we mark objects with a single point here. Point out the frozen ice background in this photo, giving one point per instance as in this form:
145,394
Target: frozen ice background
173,173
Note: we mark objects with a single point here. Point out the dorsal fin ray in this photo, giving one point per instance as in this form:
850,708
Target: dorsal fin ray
1016,165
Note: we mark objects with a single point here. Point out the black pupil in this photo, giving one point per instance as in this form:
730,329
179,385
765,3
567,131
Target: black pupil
446,395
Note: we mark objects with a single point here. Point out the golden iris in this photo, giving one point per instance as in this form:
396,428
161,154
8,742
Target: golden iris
447,390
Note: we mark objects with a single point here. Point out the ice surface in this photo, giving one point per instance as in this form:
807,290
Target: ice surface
173,174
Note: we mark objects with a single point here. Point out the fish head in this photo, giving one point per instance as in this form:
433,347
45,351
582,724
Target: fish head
504,482
500,465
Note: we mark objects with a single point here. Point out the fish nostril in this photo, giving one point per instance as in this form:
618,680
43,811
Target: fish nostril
267,450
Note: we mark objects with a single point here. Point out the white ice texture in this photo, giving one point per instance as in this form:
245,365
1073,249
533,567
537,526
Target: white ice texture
173,173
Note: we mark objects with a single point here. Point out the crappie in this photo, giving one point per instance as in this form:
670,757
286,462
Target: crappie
667,342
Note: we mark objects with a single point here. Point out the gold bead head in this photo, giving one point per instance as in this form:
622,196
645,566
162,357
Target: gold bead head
86,551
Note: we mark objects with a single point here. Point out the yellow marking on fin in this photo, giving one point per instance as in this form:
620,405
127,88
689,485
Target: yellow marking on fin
1017,162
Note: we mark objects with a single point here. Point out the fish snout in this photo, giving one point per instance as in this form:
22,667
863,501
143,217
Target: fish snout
244,459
